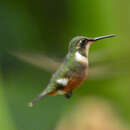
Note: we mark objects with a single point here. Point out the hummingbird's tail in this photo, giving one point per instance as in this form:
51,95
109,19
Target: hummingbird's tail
37,99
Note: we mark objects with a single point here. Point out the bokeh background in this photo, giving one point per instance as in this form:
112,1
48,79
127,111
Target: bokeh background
47,26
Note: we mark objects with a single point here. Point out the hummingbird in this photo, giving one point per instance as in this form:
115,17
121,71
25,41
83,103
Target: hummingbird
73,71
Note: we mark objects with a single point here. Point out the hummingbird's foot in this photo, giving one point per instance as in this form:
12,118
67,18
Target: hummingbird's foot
68,95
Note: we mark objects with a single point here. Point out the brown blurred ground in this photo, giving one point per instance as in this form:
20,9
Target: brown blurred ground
91,114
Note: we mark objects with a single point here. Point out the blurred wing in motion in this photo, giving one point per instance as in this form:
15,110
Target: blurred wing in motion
98,56
99,71
38,60
102,72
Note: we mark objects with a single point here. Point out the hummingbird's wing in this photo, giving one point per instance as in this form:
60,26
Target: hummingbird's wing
102,72
98,56
39,60
98,68
52,64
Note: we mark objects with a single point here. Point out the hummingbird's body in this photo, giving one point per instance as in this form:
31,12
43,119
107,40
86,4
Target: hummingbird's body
73,70
68,77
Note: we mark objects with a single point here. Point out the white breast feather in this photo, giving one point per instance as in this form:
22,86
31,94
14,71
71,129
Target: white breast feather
80,58
62,81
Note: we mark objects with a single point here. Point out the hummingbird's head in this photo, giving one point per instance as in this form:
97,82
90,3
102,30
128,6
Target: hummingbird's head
81,44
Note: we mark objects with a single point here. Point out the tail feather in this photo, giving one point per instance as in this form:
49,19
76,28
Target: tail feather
37,99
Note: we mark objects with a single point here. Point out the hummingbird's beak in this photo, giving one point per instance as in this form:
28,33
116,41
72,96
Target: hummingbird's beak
102,37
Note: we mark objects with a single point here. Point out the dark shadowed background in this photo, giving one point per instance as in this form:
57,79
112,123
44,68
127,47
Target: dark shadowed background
47,26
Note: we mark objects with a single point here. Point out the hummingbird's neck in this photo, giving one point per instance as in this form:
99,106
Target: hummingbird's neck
79,57
84,51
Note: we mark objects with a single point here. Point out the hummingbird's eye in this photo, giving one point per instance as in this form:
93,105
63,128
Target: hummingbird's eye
83,43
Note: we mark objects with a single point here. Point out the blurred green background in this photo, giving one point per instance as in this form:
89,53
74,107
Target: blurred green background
47,26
